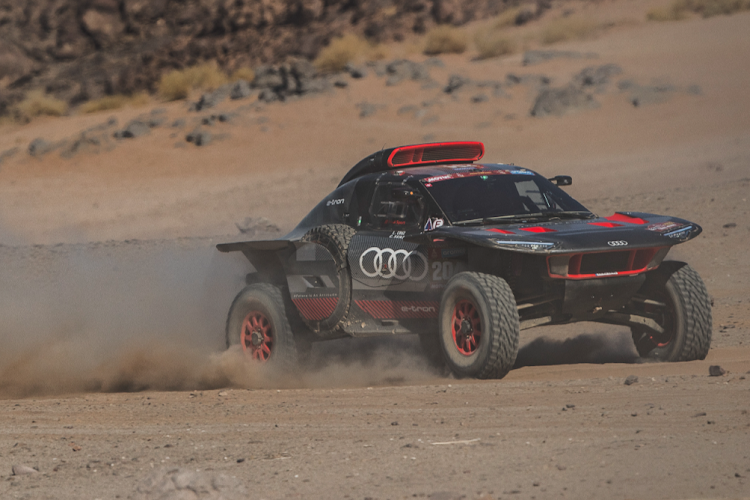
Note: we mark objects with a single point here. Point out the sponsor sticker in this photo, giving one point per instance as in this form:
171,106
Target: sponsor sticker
614,273
398,235
452,253
433,223
460,175
339,201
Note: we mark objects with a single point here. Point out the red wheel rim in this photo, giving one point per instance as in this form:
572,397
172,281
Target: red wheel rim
666,320
257,336
466,327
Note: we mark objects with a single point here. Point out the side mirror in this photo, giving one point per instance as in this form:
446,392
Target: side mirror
562,180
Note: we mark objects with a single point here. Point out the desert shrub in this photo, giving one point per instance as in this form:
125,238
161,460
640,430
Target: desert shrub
243,73
662,14
445,39
506,18
117,101
568,28
339,52
37,103
378,52
492,43
177,84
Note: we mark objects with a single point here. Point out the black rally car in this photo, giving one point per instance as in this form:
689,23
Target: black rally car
422,239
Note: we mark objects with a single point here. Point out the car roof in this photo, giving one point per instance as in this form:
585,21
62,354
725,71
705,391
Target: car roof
427,171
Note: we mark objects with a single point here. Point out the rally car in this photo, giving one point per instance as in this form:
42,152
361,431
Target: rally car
425,240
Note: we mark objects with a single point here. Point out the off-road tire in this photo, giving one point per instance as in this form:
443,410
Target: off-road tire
268,301
336,239
686,317
497,318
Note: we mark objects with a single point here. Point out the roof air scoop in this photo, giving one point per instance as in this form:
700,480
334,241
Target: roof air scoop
439,152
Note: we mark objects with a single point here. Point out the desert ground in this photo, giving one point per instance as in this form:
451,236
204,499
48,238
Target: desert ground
114,382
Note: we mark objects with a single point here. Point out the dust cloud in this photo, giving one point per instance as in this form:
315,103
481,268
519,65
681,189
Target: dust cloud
149,315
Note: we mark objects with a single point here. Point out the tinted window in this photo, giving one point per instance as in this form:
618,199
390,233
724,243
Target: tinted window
396,206
497,193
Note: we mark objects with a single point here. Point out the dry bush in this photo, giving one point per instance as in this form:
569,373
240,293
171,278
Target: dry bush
568,28
506,18
243,73
445,39
339,52
177,84
37,103
662,14
114,102
492,43
378,52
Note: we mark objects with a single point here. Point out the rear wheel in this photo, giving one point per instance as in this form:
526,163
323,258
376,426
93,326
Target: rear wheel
258,323
675,297
479,326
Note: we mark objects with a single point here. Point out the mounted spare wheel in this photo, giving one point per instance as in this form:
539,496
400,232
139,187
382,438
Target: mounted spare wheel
479,326
258,323
320,284
675,297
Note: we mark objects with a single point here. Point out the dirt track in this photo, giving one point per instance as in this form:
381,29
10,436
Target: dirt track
90,314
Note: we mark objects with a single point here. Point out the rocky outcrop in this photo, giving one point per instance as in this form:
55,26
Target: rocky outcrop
83,49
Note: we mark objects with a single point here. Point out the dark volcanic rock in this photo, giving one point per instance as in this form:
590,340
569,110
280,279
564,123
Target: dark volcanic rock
597,77
40,147
559,101
135,128
79,50
531,57
199,137
8,153
240,90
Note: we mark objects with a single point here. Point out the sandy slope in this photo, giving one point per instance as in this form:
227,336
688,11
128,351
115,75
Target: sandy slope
143,314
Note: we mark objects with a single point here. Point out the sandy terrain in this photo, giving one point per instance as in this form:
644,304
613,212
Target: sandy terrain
112,297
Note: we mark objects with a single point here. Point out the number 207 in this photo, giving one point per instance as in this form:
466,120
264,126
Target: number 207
442,271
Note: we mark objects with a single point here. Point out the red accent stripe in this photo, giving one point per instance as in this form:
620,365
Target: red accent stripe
317,308
501,231
388,309
626,218
538,229
638,262
437,152
605,224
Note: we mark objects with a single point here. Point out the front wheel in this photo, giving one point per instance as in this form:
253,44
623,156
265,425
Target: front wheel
674,296
479,326
258,323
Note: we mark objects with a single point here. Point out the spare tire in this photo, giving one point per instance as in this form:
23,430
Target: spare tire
335,238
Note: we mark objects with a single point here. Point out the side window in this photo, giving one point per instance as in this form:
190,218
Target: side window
396,206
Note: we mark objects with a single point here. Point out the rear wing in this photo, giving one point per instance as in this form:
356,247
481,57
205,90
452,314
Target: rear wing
262,245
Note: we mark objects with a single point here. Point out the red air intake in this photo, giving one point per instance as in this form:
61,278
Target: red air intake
439,152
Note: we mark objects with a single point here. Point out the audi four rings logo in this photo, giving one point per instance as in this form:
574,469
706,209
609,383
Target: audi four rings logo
618,243
388,263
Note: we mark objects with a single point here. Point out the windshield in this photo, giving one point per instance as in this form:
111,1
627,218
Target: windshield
474,197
